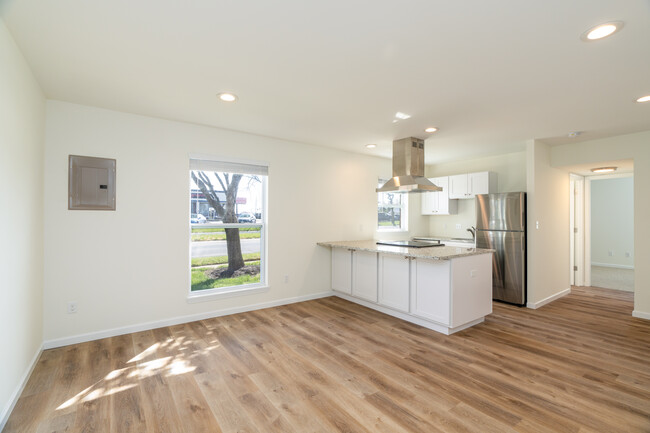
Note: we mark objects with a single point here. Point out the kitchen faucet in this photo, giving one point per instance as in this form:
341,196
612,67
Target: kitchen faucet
472,230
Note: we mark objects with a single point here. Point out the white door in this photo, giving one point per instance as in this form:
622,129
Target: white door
394,281
430,289
364,275
458,186
342,270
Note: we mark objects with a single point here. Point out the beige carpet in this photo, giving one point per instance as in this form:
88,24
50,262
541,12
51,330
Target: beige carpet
612,278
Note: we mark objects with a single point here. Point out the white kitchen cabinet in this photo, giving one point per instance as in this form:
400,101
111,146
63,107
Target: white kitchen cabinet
430,289
394,281
470,184
364,275
451,292
438,202
342,270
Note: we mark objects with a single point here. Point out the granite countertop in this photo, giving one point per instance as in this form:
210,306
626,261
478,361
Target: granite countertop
435,253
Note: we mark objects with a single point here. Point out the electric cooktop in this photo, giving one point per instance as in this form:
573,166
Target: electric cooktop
411,244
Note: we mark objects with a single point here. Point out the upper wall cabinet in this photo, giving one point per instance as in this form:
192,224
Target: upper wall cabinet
437,202
468,185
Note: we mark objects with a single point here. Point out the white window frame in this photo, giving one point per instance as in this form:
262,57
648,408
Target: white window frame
244,289
403,213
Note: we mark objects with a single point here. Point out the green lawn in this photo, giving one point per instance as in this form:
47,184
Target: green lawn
222,236
201,282
218,260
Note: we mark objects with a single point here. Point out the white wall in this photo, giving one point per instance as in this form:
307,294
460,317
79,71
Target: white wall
130,266
612,222
22,123
511,176
548,245
630,146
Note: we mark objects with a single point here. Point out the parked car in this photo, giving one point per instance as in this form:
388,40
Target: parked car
246,217
197,218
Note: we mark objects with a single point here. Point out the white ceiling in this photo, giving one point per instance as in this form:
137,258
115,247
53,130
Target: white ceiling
489,74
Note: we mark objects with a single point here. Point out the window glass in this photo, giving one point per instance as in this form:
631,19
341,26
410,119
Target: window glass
227,219
391,210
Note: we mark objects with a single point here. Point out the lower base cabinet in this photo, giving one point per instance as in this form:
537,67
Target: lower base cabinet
430,287
443,295
394,281
364,275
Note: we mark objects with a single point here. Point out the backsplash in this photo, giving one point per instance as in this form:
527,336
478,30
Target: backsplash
445,225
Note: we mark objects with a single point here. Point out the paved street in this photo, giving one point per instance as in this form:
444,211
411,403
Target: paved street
218,248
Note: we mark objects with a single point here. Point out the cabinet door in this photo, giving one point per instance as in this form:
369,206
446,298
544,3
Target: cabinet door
442,197
429,203
342,270
479,183
364,275
394,281
458,186
430,289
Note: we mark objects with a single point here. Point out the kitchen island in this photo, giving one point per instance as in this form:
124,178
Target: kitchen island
446,289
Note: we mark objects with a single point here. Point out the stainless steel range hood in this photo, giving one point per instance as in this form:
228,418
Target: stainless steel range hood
408,168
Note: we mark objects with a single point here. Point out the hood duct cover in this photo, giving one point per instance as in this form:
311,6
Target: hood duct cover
408,168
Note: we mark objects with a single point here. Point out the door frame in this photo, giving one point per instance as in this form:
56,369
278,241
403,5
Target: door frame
579,252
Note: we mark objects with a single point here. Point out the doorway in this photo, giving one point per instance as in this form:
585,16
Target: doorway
602,231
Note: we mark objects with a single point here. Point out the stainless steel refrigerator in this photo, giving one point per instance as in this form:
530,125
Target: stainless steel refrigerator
501,226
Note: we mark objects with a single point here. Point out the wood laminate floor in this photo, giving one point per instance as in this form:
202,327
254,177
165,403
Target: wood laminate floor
580,364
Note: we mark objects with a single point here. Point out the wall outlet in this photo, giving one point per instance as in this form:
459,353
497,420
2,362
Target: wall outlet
444,226
472,273
537,225
72,307
610,253
458,226
627,254
286,279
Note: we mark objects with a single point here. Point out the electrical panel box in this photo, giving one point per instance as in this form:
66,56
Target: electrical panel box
91,183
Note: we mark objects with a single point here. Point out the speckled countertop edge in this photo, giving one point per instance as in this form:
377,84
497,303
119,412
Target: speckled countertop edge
434,253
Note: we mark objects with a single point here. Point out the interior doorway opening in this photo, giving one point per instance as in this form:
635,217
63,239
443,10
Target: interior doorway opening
602,231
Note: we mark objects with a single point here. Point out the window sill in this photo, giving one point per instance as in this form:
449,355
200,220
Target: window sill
211,295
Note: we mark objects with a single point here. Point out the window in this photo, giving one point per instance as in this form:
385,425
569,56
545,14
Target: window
228,227
391,210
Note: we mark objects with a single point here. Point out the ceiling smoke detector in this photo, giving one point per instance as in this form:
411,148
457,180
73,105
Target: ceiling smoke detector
574,134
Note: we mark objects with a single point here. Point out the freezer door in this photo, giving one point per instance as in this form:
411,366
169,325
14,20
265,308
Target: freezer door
506,211
508,264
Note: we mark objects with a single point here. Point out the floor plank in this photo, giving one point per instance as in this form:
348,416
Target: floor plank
580,364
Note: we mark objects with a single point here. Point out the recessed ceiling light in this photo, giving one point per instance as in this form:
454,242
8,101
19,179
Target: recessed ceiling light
602,31
402,116
645,98
574,134
227,96
371,146
603,169
431,129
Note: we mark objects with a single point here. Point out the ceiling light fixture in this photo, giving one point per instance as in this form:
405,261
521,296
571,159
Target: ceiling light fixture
645,98
227,96
431,129
602,31
402,116
604,169
371,146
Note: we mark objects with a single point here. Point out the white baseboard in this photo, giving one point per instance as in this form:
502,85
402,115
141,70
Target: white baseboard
609,265
558,295
6,411
82,338
641,314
